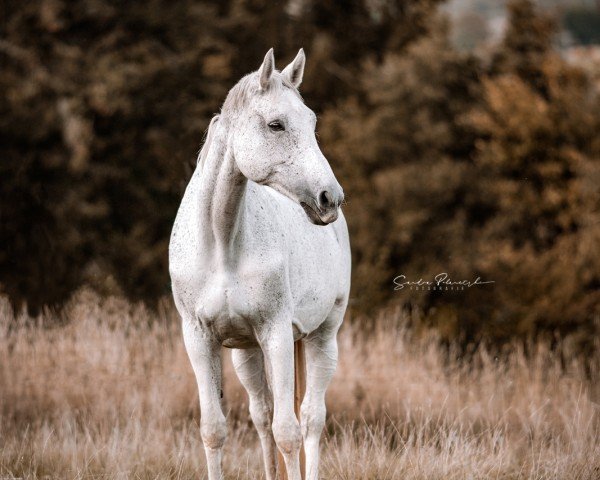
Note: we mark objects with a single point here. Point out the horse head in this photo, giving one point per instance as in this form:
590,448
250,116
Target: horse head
272,137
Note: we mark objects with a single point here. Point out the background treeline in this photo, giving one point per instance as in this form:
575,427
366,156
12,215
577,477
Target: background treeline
483,164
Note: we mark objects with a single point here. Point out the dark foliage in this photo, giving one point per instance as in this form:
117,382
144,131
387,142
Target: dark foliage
451,163
105,104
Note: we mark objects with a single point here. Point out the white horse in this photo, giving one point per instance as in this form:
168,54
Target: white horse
259,257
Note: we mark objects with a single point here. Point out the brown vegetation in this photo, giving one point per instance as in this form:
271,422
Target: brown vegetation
106,391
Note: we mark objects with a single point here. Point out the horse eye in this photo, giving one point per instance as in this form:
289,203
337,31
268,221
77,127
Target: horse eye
276,126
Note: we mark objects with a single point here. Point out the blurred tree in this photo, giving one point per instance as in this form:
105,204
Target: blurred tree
537,165
476,171
102,110
526,42
538,173
403,153
450,163
344,34
106,102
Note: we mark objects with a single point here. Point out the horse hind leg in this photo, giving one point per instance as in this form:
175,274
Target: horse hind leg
205,357
250,369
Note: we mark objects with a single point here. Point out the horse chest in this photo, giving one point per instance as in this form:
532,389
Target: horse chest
228,305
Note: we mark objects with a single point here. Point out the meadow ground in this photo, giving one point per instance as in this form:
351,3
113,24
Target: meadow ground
107,392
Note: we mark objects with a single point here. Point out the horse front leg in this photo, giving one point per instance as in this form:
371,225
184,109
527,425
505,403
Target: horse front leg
250,369
321,361
277,343
205,356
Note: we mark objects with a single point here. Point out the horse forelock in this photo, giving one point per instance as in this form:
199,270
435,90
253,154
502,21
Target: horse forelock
248,87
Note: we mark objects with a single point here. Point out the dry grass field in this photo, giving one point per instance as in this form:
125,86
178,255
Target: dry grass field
106,392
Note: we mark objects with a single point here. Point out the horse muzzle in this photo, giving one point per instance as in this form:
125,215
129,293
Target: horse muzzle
325,209
317,217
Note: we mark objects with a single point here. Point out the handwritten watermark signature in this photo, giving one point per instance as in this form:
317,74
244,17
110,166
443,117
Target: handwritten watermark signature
441,281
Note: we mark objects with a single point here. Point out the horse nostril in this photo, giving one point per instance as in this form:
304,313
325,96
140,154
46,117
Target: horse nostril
325,199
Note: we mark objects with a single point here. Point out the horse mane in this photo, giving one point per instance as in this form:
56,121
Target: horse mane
238,98
208,137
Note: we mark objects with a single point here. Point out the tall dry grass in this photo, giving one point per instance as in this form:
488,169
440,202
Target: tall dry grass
107,392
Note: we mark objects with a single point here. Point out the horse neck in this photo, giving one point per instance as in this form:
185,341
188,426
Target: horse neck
222,195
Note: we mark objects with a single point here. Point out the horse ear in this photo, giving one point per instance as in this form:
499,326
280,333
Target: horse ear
295,70
266,70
